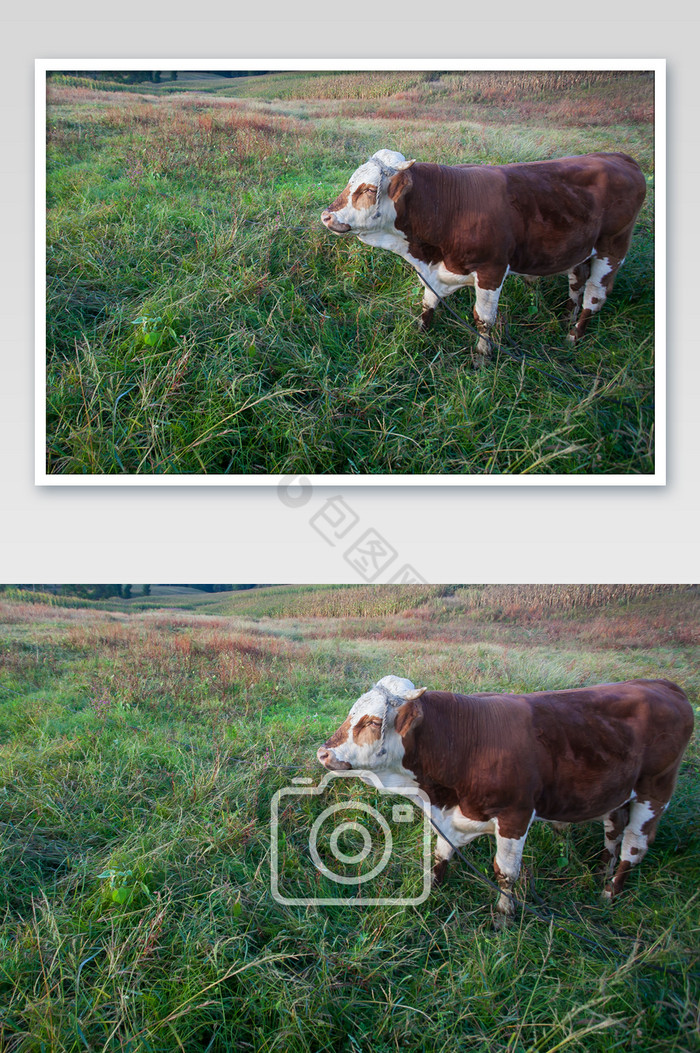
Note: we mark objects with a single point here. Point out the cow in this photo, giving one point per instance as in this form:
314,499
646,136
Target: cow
493,763
475,224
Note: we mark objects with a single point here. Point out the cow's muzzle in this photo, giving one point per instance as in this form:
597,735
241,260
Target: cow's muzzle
329,220
330,761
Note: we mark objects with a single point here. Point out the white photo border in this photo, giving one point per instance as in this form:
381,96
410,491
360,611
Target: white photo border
655,65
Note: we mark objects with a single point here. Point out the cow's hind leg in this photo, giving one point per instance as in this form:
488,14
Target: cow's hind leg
595,293
614,824
604,267
638,835
578,277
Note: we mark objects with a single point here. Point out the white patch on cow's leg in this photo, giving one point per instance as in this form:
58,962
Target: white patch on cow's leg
612,840
430,302
638,835
443,850
509,854
443,853
578,277
485,312
595,291
614,823
603,271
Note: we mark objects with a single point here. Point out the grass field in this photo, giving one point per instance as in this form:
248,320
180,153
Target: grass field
140,751
202,320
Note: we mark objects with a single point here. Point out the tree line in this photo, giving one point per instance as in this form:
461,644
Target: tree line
124,592
155,76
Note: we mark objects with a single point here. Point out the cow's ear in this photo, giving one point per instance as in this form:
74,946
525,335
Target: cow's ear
410,696
405,164
400,184
408,717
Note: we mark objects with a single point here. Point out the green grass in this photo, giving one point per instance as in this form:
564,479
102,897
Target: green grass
139,754
201,319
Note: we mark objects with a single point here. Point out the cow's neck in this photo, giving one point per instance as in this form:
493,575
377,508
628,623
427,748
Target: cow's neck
454,732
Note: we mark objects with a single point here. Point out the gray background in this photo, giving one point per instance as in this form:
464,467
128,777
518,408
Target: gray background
474,533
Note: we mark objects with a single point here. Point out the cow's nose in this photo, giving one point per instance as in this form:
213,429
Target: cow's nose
329,760
325,215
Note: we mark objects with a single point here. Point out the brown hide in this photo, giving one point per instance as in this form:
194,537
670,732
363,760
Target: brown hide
568,755
537,218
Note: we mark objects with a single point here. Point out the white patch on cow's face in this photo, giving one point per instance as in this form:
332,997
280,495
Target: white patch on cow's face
362,743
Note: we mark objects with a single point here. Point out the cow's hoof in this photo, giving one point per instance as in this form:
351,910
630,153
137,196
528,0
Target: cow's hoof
480,359
501,921
607,894
571,338
438,875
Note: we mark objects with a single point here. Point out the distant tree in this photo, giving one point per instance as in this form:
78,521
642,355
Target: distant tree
155,76
173,74
241,72
146,590
126,592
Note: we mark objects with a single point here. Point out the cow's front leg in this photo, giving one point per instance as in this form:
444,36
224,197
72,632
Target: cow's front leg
488,285
443,853
457,830
511,833
430,302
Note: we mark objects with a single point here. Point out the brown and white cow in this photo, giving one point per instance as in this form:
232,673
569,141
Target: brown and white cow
474,224
492,763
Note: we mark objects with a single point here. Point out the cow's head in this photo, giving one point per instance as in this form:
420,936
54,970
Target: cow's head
367,203
357,742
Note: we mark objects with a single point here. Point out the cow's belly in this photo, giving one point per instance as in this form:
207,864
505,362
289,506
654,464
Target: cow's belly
540,261
580,809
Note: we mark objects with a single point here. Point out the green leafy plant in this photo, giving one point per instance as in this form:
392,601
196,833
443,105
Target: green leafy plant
124,887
